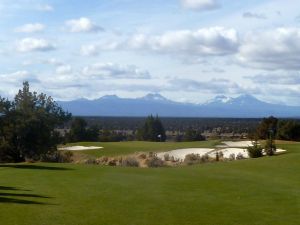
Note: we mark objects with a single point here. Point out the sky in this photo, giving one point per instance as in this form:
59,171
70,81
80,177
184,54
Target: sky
185,50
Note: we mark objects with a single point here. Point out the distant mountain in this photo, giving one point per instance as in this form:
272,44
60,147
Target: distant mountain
155,97
244,106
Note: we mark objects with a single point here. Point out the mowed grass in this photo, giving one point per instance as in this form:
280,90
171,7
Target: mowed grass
263,191
126,148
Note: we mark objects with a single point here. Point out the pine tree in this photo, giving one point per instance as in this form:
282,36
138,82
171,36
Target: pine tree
28,125
152,130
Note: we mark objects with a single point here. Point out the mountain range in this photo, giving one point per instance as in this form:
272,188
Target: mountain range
244,106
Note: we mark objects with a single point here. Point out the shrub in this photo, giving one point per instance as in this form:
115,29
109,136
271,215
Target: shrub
167,157
90,161
221,155
58,156
172,159
204,158
239,156
155,162
142,156
255,151
130,162
6,152
152,154
112,162
232,157
270,147
191,159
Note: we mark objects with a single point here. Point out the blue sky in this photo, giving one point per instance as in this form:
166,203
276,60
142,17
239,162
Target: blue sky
186,50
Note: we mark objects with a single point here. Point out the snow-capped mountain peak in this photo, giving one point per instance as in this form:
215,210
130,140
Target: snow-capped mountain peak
109,97
154,97
219,99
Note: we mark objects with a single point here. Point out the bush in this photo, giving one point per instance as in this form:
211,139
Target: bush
232,157
58,156
142,156
239,156
191,159
270,147
255,151
112,162
130,162
155,162
90,161
167,157
193,135
6,153
204,158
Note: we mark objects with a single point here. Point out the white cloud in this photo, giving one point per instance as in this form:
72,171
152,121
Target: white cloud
114,71
30,28
200,4
64,69
17,77
89,50
272,50
216,86
82,25
203,42
283,78
45,8
52,61
34,44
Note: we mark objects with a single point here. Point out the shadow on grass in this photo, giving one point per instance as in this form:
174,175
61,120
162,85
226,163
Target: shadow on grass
5,188
20,201
33,167
22,195
13,197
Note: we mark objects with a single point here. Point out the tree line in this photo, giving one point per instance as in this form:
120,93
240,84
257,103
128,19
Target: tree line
282,129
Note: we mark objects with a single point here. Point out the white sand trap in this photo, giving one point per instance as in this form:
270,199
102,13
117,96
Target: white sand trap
228,148
237,144
236,151
181,153
79,148
278,151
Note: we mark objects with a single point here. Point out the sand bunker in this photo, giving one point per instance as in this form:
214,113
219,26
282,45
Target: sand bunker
181,153
228,148
237,144
79,148
228,152
279,151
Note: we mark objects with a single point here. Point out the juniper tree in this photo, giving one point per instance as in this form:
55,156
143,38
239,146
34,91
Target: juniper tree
28,125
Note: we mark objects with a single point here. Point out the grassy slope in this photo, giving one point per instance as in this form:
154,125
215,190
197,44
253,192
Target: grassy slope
251,192
125,148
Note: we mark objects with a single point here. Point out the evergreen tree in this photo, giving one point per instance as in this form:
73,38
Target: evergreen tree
152,130
270,147
289,130
28,125
265,126
193,135
80,132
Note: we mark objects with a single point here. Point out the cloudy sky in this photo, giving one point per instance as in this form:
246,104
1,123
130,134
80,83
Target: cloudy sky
186,50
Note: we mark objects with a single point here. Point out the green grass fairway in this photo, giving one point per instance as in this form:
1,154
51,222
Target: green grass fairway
125,148
263,191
